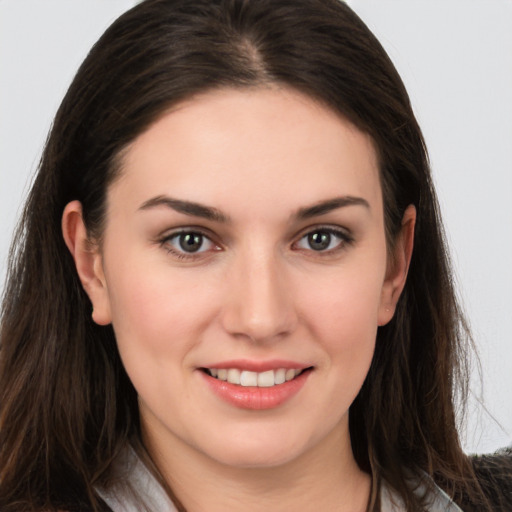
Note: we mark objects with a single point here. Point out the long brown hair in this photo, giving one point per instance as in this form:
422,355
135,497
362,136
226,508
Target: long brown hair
67,407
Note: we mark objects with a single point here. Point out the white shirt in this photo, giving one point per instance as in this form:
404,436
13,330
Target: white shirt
155,499
437,501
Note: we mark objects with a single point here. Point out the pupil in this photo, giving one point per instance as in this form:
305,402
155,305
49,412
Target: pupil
319,240
191,242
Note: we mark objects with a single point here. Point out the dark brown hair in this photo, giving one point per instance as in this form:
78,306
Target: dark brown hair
67,407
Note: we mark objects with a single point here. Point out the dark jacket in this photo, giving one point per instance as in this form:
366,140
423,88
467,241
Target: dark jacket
494,473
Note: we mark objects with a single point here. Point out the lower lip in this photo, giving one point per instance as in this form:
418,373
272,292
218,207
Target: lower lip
253,397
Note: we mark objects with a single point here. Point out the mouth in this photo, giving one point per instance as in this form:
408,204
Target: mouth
246,378
254,385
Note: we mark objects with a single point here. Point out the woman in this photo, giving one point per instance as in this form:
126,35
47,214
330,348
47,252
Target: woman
230,286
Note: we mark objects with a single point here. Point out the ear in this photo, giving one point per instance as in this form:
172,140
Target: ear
398,266
88,261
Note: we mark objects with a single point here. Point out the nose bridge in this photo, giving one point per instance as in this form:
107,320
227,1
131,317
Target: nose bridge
259,305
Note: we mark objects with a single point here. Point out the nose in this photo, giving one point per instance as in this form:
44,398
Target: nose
259,304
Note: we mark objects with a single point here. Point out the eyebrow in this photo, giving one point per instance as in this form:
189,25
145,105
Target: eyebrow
329,205
213,214
186,207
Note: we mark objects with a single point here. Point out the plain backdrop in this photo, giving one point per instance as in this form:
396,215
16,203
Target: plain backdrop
455,57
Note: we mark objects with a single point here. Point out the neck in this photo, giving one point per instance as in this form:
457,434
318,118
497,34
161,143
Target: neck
324,478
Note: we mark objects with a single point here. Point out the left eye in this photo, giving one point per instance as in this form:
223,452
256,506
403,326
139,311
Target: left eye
321,240
190,242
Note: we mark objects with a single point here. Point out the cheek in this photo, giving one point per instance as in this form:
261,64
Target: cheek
157,311
342,314
346,302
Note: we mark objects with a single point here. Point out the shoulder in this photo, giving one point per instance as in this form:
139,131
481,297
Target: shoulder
494,474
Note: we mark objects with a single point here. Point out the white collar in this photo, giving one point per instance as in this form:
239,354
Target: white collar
437,501
148,495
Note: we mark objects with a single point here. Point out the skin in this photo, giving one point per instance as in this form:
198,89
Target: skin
256,290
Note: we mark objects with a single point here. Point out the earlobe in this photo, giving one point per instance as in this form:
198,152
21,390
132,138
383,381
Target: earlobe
88,261
398,267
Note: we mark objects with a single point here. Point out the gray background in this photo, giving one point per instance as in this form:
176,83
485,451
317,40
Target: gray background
455,57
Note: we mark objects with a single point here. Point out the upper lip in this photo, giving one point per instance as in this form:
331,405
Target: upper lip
258,366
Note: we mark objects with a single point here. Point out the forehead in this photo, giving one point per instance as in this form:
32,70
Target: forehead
261,145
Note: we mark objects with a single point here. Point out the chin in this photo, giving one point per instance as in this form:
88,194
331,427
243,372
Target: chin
256,459
259,451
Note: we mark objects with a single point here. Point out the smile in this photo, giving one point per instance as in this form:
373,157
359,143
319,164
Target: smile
255,390
245,378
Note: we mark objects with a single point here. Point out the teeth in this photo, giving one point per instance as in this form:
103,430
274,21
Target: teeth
246,378
280,376
266,379
234,376
290,374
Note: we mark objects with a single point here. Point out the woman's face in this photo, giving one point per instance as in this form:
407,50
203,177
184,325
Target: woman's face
245,241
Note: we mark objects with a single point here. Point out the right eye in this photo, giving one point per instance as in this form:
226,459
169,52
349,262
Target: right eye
188,243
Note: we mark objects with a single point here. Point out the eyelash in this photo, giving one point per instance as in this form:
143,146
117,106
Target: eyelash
166,241
344,240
